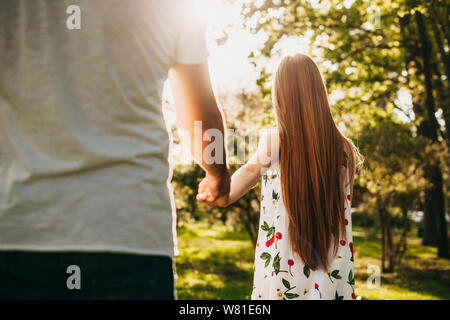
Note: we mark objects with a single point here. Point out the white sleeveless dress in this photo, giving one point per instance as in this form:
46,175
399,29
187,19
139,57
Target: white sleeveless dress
280,274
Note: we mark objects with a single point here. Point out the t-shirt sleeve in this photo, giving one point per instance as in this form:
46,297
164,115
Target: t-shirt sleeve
191,41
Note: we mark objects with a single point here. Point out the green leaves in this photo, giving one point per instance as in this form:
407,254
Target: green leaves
306,271
275,195
334,274
290,295
266,256
338,297
270,230
286,283
287,294
351,279
276,263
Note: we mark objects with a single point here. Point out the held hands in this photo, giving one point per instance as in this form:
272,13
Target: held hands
214,190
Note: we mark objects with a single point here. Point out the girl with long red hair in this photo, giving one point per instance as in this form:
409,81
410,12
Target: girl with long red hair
304,248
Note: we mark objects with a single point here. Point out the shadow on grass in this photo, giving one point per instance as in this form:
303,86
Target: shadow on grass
435,282
232,235
219,276
367,247
420,272
209,292
216,263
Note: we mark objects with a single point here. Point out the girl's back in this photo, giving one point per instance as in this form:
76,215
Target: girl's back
279,272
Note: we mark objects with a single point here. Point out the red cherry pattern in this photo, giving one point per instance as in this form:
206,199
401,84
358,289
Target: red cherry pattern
270,241
278,236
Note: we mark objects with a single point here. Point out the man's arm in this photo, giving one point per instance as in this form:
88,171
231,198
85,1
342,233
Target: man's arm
195,101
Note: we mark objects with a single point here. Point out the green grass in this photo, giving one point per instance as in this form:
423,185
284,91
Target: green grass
217,263
422,276
214,263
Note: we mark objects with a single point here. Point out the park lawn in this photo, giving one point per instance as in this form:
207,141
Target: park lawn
217,263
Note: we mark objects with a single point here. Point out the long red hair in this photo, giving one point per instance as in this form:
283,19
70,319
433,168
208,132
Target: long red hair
313,155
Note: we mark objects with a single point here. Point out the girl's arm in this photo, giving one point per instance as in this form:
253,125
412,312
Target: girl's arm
243,180
249,174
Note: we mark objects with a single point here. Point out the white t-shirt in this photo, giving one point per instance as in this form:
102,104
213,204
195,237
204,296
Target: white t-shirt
83,143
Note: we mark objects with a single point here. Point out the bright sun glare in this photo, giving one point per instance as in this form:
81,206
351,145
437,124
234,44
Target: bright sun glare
230,68
229,65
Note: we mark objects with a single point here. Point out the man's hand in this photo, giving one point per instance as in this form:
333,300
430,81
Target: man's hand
214,189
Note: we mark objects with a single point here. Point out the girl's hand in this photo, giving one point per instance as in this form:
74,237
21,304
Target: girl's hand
203,192
204,195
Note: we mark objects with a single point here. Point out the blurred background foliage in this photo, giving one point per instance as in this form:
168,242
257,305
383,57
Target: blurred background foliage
375,55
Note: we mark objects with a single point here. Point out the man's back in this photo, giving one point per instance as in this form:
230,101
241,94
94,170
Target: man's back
83,145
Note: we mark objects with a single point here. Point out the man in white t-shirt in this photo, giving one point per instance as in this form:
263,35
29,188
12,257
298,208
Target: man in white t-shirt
86,209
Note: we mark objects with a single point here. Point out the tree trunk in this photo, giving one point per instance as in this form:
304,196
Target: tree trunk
443,91
438,34
390,244
383,245
251,229
426,59
435,232
223,215
441,19
249,223
402,244
384,255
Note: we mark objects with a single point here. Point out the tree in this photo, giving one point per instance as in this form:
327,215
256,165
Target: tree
422,58
392,180
369,51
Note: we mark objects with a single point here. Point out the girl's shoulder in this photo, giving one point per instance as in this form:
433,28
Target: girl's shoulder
271,131
268,147
269,136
